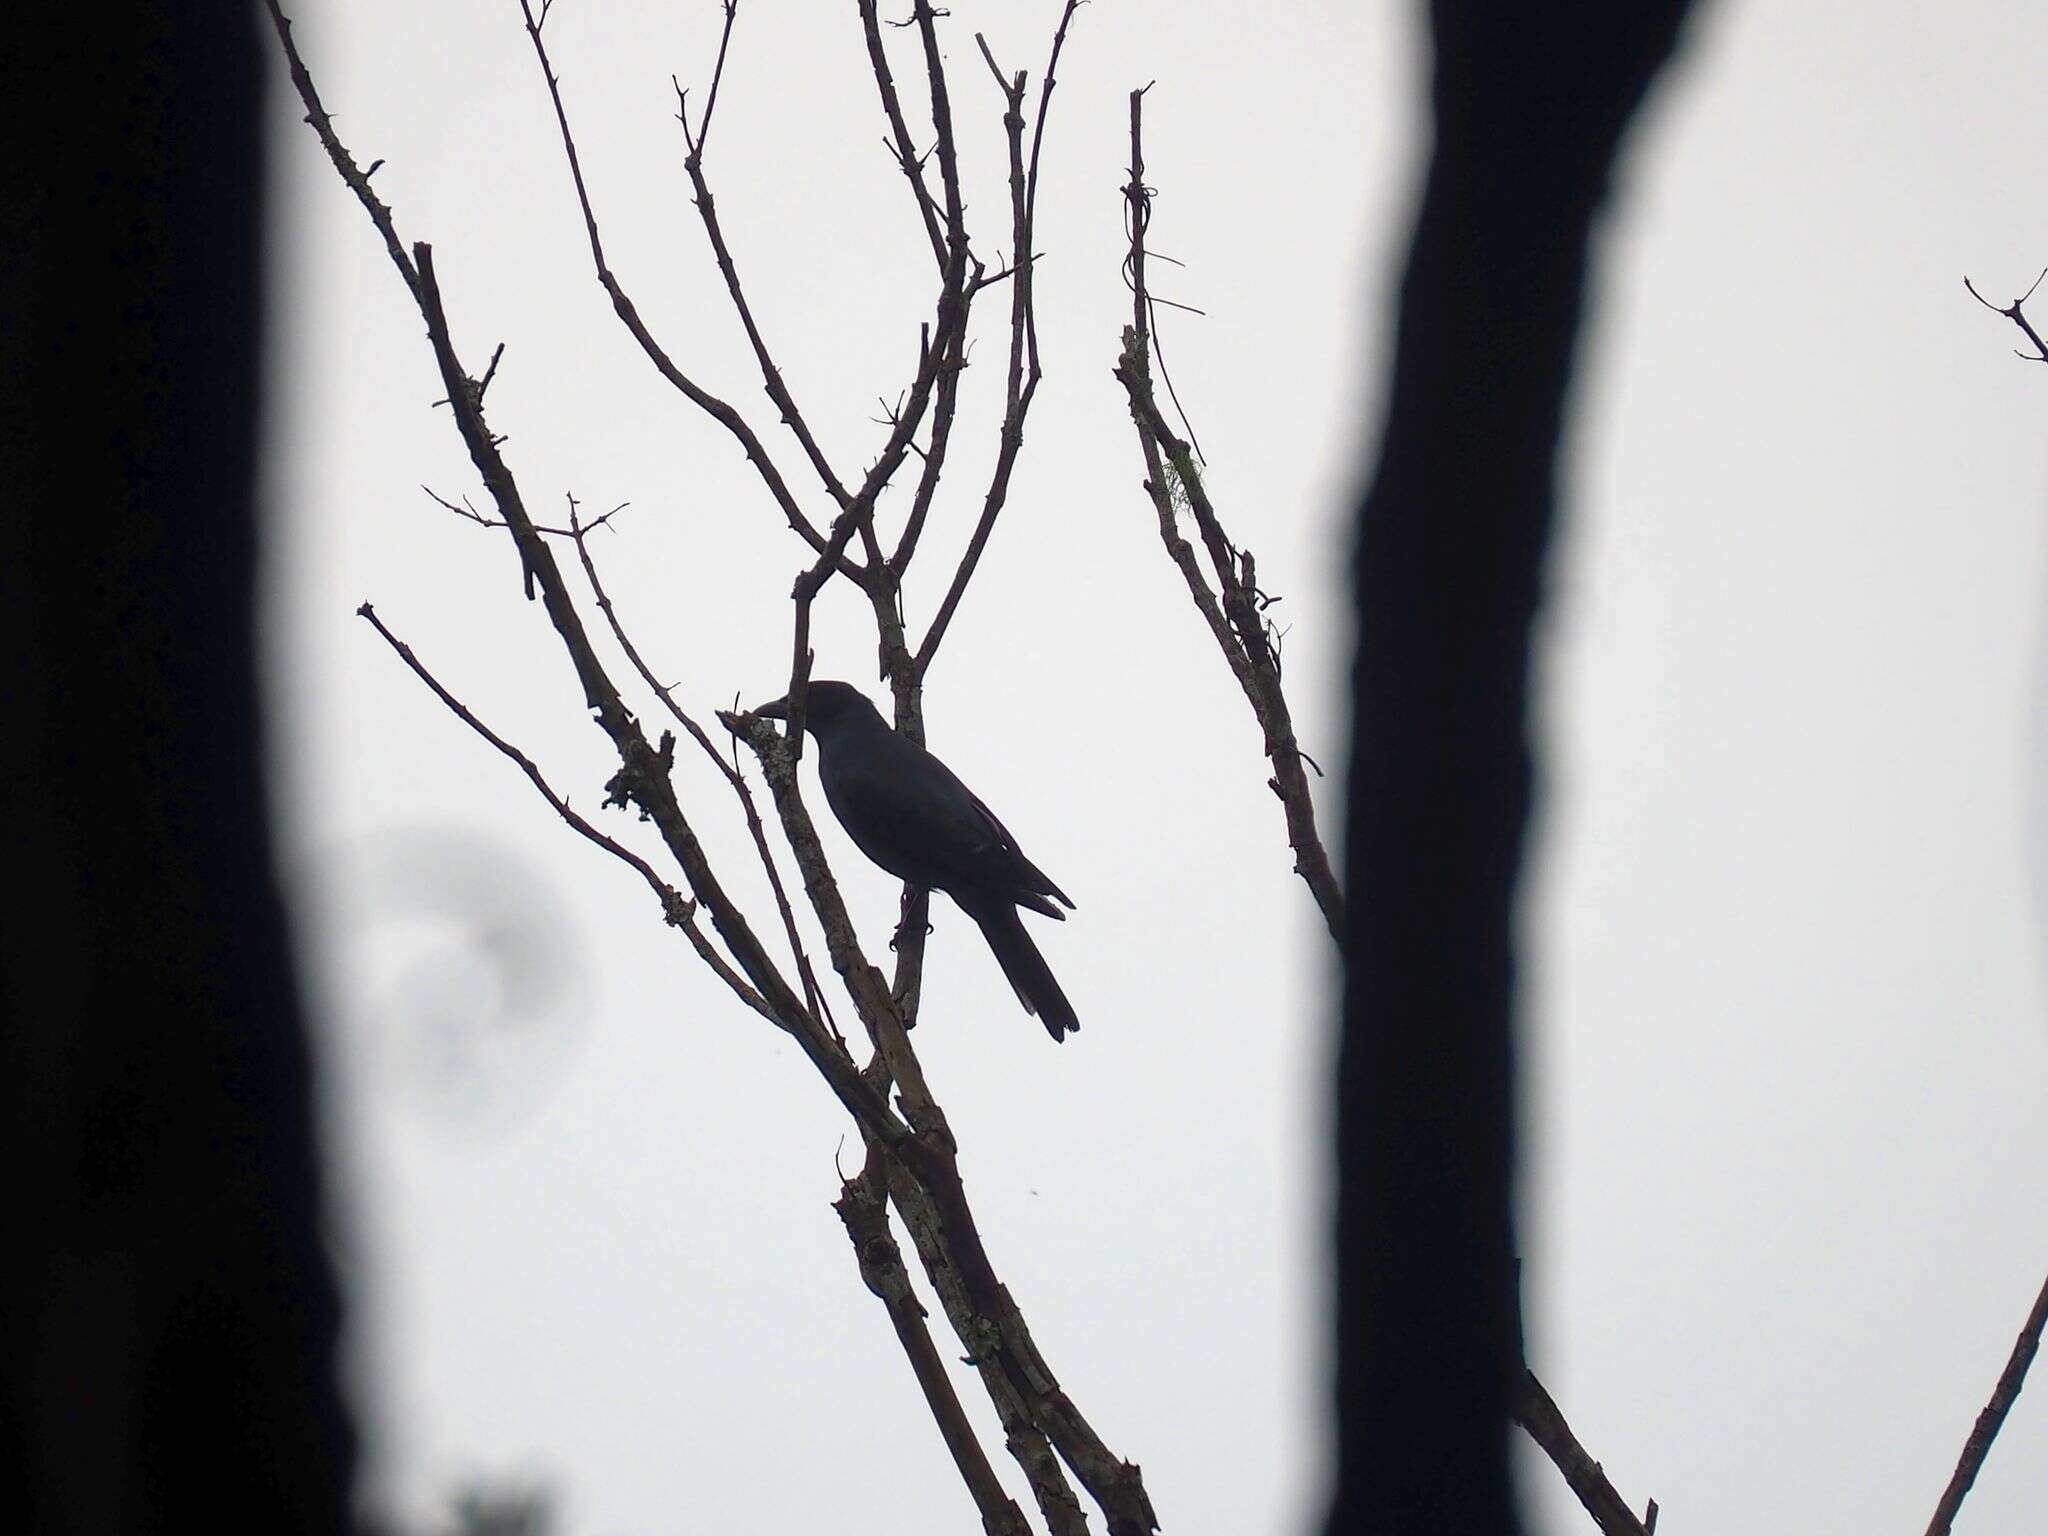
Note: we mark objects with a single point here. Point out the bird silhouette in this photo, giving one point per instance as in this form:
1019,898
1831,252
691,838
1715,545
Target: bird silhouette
909,813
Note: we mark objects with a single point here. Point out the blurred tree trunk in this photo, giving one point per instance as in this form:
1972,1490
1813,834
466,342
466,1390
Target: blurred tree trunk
1529,107
168,1317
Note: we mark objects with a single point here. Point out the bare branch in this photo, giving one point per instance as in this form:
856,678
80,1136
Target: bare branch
1037,1416
1022,1436
696,145
1024,372
943,354
872,997
470,514
357,181
945,405
580,531
2004,1394
771,375
913,924
1052,60
995,69
926,20
2014,313
490,371
877,579
985,1316
914,1150
675,911
643,776
934,1206
1018,389
942,351
1160,489
629,315
862,1206
1535,1410
904,151
1233,608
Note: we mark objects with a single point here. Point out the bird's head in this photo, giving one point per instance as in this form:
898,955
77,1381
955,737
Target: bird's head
828,707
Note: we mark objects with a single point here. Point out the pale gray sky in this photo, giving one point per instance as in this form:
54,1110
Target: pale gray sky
1786,1191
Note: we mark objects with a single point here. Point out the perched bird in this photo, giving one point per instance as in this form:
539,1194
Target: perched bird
905,810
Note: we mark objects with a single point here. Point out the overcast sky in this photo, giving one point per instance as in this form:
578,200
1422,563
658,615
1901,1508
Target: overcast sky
1785,1195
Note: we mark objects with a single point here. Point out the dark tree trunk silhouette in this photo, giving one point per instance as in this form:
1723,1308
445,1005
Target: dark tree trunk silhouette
168,1316
1529,107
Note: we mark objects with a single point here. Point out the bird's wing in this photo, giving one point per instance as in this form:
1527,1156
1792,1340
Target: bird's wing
1042,886
905,809
911,814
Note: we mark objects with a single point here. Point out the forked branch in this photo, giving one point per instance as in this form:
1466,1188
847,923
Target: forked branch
1227,595
913,1157
1234,607
629,314
677,912
2016,313
1024,373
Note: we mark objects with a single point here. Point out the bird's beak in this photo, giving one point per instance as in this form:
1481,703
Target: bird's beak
775,709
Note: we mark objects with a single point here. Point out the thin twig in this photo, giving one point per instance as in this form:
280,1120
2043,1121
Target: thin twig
643,777
676,912
771,375
580,532
490,370
942,350
945,405
470,514
903,149
2015,314
696,146
358,181
641,774
926,20
1233,608
2003,1395
1052,60
629,315
1024,372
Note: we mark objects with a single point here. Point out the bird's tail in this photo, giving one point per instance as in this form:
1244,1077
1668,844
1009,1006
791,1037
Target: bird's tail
1025,967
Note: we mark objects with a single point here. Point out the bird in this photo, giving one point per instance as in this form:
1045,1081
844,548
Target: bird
909,813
